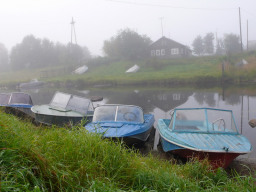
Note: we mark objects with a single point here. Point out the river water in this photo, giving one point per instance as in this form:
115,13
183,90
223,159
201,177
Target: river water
160,100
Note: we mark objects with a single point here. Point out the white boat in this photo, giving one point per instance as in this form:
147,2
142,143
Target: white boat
133,69
81,70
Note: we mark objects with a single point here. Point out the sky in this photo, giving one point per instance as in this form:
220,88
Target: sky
99,20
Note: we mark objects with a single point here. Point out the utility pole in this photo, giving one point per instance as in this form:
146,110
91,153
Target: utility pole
247,37
240,31
73,30
161,18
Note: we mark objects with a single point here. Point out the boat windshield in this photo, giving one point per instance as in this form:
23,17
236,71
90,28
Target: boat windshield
67,102
203,120
4,99
20,98
118,113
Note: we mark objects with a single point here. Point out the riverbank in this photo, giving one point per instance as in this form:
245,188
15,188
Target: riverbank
59,159
214,70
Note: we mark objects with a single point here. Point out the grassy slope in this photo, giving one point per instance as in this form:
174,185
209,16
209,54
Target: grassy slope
58,159
188,70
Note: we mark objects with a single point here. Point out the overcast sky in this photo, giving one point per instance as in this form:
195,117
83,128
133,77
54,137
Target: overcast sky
99,20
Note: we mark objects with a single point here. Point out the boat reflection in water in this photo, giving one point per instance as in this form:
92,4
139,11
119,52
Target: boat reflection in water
203,133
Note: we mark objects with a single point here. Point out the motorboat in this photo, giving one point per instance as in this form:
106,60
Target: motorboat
125,122
203,133
17,103
64,109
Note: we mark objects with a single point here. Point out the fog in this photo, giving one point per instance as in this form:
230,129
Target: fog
99,20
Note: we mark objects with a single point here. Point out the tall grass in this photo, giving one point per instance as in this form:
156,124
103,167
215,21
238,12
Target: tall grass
58,159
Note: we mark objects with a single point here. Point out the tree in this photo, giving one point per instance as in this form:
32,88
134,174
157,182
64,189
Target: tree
25,54
198,45
3,58
220,48
127,44
36,53
232,43
208,43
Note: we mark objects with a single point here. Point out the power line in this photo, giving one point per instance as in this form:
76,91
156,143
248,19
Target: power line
169,6
253,16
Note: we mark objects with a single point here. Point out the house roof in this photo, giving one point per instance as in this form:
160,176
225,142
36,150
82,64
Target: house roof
169,41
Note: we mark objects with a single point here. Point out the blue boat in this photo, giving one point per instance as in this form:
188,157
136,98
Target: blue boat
203,133
17,103
125,122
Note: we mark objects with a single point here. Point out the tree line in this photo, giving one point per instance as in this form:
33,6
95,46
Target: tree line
34,52
39,53
229,44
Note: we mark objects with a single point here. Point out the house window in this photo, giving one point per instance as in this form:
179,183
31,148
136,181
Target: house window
176,97
152,52
157,52
162,51
175,51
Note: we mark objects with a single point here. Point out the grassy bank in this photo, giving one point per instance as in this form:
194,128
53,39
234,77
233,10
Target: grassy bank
193,70
58,159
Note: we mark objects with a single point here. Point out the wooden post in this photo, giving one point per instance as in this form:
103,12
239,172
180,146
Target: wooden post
240,31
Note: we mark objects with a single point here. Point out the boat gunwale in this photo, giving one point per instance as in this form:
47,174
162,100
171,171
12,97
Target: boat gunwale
202,150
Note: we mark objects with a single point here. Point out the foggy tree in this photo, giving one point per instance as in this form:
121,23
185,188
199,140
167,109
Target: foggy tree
127,44
26,53
3,58
208,43
232,43
86,54
36,53
75,53
198,45
220,48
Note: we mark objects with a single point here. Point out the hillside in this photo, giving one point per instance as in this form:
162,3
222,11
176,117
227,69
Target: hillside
193,70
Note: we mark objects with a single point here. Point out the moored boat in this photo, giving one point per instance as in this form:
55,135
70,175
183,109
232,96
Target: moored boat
125,122
203,133
34,83
17,103
64,109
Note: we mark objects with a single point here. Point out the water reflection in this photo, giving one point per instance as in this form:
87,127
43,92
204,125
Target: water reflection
159,101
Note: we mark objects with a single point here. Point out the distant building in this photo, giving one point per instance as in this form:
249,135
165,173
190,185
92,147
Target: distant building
167,48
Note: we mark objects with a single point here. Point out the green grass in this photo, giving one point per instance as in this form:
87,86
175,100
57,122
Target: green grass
58,159
192,70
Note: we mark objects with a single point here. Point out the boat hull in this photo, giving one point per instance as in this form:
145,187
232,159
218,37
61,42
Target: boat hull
138,139
130,133
60,120
20,112
216,159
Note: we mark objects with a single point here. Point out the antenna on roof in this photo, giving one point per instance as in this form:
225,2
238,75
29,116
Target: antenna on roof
161,18
73,30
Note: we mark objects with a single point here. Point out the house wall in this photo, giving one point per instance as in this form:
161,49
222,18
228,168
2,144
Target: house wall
166,48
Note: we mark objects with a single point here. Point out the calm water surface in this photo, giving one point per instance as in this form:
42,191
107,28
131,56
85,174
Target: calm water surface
160,100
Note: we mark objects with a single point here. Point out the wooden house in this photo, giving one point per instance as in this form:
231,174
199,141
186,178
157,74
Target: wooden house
168,48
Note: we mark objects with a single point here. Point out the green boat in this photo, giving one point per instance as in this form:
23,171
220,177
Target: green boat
64,109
